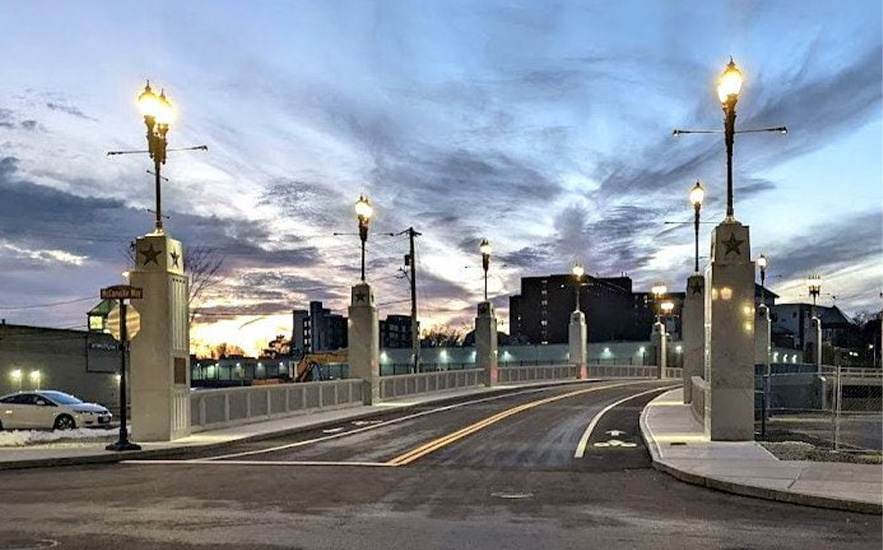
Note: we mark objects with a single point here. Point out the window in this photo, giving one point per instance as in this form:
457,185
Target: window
62,398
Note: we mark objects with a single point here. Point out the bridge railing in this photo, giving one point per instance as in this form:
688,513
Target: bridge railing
622,371
224,407
425,382
509,374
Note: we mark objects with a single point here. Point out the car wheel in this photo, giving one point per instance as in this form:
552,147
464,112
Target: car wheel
65,422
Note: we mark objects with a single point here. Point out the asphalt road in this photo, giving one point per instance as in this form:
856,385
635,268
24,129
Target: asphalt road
474,473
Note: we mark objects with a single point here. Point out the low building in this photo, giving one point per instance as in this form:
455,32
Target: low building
82,363
395,332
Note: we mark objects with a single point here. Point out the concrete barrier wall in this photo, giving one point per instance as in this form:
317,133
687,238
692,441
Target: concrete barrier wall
700,391
220,408
509,375
428,382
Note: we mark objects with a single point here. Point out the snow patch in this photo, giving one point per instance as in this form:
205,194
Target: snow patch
21,438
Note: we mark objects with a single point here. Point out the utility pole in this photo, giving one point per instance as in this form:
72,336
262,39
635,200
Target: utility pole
411,261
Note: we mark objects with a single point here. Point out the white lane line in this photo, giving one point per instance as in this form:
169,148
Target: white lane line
371,427
584,440
256,463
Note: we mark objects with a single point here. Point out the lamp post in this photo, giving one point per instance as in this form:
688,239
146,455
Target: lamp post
364,211
578,272
814,286
658,290
697,195
762,262
16,376
158,114
729,85
485,249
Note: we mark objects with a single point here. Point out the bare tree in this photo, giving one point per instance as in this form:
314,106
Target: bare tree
202,264
443,336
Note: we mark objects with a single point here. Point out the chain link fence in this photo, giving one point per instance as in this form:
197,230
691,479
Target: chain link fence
835,408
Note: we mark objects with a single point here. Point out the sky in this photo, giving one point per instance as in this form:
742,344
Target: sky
545,127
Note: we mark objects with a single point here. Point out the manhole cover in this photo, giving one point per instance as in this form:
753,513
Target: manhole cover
25,544
511,495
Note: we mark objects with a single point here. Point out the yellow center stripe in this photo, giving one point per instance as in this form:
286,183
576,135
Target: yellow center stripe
445,440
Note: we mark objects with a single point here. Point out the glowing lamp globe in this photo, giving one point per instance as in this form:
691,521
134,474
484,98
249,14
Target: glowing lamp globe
730,83
485,247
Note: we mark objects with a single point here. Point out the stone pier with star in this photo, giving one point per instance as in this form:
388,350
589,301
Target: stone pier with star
160,353
693,323
729,318
363,353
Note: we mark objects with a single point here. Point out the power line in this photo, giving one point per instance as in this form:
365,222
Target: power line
53,304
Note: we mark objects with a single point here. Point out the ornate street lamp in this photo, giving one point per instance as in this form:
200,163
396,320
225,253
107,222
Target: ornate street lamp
814,286
762,262
667,307
729,85
158,114
658,290
364,211
697,195
578,272
485,249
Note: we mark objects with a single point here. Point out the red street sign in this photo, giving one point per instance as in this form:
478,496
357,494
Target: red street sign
122,292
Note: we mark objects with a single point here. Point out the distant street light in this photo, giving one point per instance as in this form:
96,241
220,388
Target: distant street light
814,286
35,379
697,195
485,249
158,114
729,86
658,290
762,262
667,307
16,376
364,211
578,272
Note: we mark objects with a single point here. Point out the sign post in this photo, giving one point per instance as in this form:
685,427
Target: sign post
123,293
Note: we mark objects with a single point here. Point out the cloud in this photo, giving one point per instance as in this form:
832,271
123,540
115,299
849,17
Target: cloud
68,109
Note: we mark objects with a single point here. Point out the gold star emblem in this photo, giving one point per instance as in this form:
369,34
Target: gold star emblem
733,245
150,255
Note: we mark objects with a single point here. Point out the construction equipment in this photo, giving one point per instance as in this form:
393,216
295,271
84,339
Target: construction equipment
309,368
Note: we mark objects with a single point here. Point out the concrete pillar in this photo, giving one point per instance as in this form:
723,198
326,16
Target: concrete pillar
762,336
486,342
160,352
729,309
363,351
577,333
693,323
659,339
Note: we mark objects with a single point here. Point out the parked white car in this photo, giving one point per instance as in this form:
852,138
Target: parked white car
49,409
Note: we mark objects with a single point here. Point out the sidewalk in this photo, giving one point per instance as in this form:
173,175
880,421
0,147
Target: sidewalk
679,447
93,452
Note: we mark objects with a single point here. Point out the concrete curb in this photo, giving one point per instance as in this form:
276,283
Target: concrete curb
750,490
106,457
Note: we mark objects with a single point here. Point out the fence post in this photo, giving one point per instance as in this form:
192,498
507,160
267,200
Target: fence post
838,396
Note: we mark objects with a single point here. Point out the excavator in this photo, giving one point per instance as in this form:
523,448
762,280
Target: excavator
309,368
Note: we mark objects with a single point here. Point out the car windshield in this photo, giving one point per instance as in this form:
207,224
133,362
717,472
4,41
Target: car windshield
61,398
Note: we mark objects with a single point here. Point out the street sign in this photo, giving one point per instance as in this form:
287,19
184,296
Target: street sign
122,292
133,322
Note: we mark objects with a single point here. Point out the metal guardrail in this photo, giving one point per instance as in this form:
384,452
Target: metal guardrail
219,408
410,384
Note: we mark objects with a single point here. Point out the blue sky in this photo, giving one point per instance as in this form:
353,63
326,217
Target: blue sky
545,127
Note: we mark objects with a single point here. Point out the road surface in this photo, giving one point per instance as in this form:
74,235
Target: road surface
471,473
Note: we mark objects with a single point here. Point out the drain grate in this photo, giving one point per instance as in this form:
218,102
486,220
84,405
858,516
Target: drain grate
676,443
511,495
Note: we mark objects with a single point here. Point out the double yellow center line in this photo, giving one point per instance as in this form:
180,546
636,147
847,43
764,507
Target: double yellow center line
445,440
